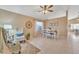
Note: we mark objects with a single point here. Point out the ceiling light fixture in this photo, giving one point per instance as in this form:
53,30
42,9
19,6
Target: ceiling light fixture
46,9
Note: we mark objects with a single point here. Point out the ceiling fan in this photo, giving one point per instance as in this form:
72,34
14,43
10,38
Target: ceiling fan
46,9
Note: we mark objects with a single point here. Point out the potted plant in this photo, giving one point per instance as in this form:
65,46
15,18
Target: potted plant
28,36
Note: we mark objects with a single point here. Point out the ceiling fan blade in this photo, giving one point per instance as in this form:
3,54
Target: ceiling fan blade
50,6
41,6
50,10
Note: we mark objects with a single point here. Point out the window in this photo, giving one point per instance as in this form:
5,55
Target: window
7,26
39,26
75,26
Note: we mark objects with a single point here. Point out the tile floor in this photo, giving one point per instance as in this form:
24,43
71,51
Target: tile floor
69,45
58,46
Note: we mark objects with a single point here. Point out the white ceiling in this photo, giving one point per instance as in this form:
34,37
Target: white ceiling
32,10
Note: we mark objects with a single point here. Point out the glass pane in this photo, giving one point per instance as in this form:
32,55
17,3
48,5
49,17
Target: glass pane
7,26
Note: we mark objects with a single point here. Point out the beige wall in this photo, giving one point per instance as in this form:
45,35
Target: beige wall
74,21
61,25
17,21
32,30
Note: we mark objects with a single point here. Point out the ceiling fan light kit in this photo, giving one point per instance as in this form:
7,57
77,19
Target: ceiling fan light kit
46,8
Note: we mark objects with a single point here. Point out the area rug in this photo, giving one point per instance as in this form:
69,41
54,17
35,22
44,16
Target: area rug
28,48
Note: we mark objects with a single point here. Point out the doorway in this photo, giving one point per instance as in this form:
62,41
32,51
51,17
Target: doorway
39,27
